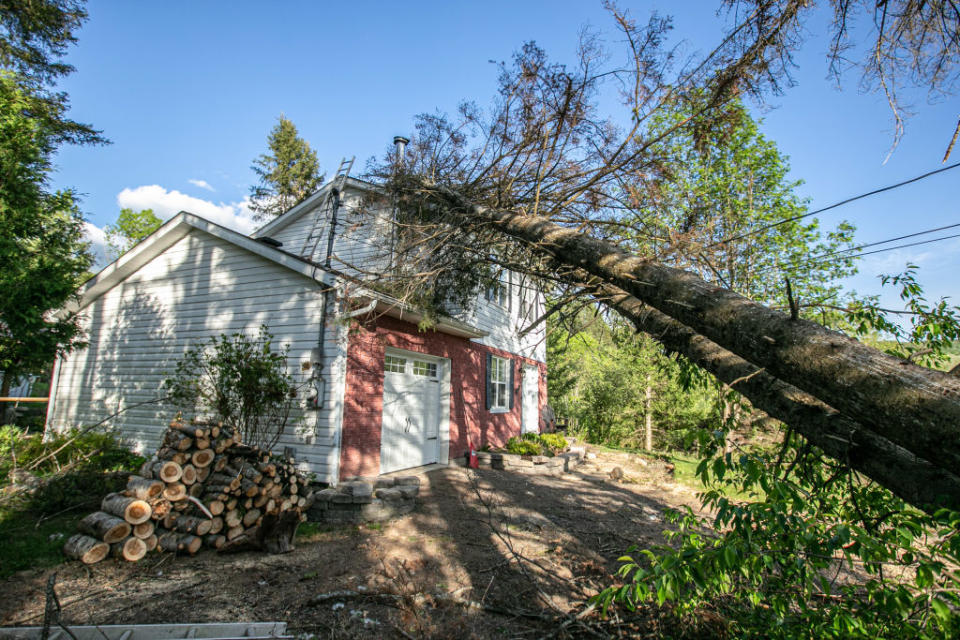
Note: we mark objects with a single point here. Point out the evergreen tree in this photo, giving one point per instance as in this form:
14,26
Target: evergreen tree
288,174
34,36
42,253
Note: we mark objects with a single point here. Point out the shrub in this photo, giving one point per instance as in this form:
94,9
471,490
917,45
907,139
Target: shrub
555,442
523,447
240,380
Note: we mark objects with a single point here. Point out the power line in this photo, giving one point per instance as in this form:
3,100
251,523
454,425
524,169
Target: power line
807,263
834,205
796,263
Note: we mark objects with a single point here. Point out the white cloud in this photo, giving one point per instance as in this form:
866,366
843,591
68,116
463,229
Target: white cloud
98,245
166,204
203,184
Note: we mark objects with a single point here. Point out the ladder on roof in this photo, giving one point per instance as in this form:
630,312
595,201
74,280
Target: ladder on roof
327,209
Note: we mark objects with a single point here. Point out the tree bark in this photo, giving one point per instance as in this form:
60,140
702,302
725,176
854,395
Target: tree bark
913,479
86,549
105,526
911,406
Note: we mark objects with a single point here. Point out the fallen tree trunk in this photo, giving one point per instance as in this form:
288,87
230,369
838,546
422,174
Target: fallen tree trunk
913,479
911,406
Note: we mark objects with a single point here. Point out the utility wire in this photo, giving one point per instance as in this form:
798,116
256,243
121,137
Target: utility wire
796,263
807,263
833,206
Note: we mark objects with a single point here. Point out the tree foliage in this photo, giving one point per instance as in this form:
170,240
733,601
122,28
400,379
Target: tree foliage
42,254
240,379
725,191
555,190
287,174
130,228
599,377
34,37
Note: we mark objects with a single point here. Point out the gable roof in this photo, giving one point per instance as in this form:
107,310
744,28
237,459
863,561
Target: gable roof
183,223
169,233
294,213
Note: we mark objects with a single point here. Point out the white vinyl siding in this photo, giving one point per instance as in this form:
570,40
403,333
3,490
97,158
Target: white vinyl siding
361,243
199,287
505,322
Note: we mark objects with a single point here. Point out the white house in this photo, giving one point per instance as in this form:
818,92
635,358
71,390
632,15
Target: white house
388,396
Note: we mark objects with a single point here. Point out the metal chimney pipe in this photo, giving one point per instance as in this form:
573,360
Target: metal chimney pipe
401,144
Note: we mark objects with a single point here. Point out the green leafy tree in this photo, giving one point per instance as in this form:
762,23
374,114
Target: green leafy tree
616,384
130,228
720,206
817,551
241,380
42,253
288,174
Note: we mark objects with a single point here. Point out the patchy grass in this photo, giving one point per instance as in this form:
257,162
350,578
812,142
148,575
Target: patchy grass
32,543
73,472
684,468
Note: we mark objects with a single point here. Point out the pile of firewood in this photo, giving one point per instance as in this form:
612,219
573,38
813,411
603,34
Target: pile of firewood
202,488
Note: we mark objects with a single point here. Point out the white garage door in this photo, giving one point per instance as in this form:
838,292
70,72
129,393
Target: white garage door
411,411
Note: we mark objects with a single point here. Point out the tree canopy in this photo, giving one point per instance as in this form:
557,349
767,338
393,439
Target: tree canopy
288,173
42,254
34,37
130,228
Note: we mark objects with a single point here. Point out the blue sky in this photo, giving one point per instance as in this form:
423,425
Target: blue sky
188,91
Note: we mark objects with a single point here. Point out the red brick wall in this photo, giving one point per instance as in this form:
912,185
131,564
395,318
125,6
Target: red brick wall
360,443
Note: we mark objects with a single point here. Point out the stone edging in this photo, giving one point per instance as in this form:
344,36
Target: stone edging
365,499
531,465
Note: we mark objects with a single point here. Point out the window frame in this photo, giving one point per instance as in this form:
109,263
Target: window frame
498,291
499,389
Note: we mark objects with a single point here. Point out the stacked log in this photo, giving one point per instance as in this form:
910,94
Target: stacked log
202,488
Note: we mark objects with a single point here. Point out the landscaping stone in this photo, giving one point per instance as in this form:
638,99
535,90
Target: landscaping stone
408,491
390,495
360,500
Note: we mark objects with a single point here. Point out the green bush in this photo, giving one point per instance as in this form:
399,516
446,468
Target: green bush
94,452
241,379
555,442
536,444
523,447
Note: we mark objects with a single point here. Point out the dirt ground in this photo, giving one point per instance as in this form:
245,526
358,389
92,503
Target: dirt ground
487,554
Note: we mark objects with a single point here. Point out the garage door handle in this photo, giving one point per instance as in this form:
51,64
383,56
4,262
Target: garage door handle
432,438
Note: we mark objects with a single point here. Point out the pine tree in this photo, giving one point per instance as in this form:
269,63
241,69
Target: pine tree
42,252
288,174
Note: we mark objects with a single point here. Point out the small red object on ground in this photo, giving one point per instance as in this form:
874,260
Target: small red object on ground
472,461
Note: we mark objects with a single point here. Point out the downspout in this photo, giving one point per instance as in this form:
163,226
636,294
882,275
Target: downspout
319,358
333,227
318,375
362,310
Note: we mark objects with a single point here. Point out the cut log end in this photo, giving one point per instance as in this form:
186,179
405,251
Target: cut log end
132,549
86,549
